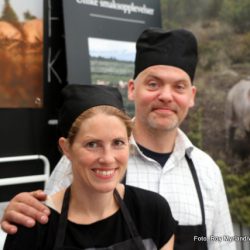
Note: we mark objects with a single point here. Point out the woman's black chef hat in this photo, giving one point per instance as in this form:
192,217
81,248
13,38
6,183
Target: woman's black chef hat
77,98
176,48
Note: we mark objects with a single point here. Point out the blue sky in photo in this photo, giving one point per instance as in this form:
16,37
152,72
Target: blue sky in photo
35,7
120,50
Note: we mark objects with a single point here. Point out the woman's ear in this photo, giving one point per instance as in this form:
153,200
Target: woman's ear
64,145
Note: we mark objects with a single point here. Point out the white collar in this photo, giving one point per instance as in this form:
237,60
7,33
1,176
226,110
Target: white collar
182,145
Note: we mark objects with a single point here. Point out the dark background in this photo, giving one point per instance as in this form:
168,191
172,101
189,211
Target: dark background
31,131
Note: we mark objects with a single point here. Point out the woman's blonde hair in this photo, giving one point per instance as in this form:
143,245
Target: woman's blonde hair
102,109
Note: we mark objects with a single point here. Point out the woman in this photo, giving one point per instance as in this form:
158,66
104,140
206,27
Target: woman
97,211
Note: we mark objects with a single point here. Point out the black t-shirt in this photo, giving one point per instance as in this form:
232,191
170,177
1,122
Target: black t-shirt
161,158
149,211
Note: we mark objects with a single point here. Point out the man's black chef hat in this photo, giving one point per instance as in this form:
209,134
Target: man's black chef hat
176,48
78,98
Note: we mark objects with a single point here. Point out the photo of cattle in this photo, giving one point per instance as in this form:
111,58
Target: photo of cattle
21,54
112,63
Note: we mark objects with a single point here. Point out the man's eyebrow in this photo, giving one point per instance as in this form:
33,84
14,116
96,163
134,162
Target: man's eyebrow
154,76
159,78
185,81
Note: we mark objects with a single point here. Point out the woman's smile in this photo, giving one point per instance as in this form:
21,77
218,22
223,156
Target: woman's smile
104,173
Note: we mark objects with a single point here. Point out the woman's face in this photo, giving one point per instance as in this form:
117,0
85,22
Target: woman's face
99,153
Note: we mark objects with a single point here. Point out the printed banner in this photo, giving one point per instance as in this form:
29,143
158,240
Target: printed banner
100,39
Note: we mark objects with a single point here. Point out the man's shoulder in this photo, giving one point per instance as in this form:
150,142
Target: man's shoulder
205,164
200,158
198,153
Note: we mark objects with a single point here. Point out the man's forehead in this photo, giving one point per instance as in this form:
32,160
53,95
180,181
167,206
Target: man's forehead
160,71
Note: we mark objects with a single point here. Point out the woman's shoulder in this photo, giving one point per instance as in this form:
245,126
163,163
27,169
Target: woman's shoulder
151,214
136,191
144,203
144,197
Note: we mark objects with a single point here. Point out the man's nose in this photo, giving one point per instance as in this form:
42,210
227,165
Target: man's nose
165,94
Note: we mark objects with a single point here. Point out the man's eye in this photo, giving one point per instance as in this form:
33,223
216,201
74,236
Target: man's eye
152,85
180,87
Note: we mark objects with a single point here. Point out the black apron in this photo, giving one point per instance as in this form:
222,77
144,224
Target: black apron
135,243
185,235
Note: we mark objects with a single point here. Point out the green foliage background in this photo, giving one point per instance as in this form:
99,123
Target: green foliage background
222,28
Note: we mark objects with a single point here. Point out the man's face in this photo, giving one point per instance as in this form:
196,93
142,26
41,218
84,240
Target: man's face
162,96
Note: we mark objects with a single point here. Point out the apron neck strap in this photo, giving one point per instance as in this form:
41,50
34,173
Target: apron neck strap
60,236
62,225
126,214
197,185
127,217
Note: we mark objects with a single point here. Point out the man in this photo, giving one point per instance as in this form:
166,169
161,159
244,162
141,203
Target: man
162,157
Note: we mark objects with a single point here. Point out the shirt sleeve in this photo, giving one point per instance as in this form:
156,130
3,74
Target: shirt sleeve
60,178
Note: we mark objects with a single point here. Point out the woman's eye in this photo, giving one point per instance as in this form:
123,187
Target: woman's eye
119,143
91,144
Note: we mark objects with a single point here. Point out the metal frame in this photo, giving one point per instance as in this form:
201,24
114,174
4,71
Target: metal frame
26,179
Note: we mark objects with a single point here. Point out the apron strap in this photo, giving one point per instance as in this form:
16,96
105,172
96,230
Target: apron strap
62,225
197,185
129,220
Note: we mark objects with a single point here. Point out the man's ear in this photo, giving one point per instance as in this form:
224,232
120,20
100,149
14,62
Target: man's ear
64,146
131,89
192,102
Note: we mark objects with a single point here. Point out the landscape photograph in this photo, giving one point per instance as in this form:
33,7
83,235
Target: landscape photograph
112,63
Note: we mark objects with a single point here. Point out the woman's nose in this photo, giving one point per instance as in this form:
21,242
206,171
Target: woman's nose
107,156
